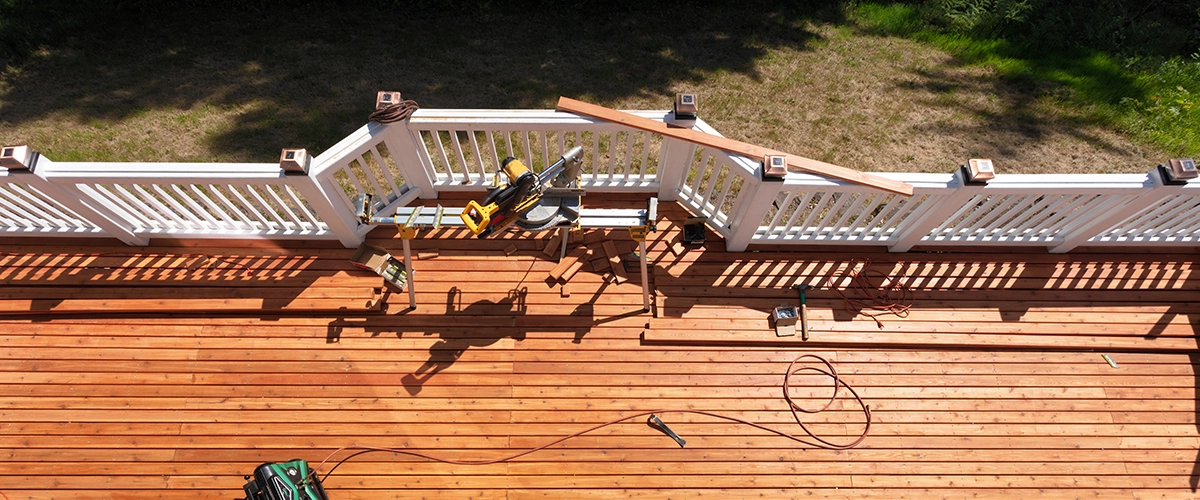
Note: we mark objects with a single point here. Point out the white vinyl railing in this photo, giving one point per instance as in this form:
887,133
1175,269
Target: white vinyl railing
30,206
461,150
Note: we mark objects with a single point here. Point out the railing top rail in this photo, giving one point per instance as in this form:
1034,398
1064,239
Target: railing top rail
919,181
1003,182
343,148
1071,181
423,117
199,172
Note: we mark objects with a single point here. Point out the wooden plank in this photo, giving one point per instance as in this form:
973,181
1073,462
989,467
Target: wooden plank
554,245
911,340
598,266
572,257
736,147
614,261
570,273
826,492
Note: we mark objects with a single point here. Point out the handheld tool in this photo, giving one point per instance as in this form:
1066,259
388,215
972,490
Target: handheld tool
507,204
657,422
803,310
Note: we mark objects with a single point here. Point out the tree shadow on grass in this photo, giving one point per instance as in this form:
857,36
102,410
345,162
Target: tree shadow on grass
995,98
306,77
1008,114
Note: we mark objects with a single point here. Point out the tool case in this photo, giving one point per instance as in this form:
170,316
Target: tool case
379,261
284,481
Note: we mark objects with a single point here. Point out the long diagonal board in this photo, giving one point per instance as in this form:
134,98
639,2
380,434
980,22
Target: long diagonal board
736,147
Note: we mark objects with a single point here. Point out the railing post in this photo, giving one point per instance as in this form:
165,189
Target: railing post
672,171
753,205
74,200
333,213
403,144
1112,214
934,212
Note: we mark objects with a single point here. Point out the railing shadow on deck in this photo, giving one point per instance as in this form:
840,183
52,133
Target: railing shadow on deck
1008,291
180,281
1005,285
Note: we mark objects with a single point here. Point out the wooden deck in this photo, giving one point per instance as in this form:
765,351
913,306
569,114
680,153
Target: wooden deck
171,371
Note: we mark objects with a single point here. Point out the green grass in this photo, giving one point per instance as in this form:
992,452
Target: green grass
1168,112
1153,99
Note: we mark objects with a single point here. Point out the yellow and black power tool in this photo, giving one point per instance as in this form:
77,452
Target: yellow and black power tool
507,204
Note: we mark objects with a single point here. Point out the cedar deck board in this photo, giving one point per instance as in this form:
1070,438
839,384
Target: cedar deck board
109,404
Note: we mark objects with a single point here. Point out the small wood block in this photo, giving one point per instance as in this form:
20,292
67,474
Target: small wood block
563,291
571,272
677,248
428,254
614,262
376,302
610,249
554,245
509,250
599,265
566,263
618,269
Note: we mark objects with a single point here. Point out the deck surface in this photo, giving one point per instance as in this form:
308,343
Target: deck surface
171,371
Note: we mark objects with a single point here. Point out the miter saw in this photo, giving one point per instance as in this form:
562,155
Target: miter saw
531,201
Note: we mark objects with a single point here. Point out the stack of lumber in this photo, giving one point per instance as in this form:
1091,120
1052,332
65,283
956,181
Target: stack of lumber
606,260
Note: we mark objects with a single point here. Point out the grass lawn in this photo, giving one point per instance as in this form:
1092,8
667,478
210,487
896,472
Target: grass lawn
829,84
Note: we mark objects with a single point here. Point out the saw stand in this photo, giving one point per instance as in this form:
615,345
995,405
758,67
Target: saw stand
408,220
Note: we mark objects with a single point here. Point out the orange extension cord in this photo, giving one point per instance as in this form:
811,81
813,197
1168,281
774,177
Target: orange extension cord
394,112
890,296
829,370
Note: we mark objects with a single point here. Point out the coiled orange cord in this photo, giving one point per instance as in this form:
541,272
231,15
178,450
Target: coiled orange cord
890,296
394,112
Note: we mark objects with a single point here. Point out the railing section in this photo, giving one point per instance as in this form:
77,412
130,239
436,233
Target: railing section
456,150
26,209
1060,212
463,149
143,200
